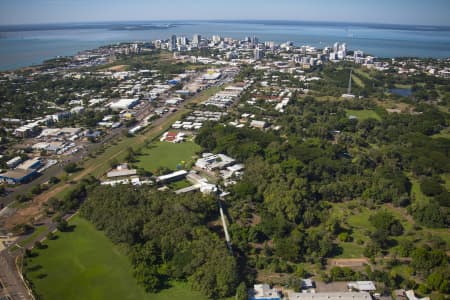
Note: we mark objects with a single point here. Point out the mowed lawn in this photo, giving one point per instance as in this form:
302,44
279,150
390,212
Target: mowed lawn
363,114
358,81
168,155
85,264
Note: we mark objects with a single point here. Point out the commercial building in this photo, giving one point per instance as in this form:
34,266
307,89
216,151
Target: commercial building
173,101
264,292
54,132
121,171
259,53
362,286
330,296
213,162
178,175
211,75
173,43
27,130
18,176
258,124
33,163
124,104
196,39
14,162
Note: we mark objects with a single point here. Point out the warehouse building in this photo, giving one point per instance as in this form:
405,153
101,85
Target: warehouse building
18,176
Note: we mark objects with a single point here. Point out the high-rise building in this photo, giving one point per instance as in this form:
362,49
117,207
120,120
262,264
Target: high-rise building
182,41
196,39
358,53
157,44
333,56
341,54
173,43
270,44
336,47
254,41
259,53
216,39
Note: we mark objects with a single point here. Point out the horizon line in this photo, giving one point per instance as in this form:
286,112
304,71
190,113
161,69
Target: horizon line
226,20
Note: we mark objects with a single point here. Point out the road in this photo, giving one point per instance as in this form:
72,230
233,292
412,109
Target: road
113,134
9,276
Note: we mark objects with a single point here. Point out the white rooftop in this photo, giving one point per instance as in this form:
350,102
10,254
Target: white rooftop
362,285
330,296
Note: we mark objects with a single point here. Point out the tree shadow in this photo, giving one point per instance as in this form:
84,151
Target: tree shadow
34,268
32,254
337,250
69,228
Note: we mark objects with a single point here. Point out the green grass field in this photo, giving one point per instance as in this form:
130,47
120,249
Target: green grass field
416,192
351,250
403,86
37,231
363,114
363,73
445,133
358,220
446,178
169,155
181,184
84,264
358,81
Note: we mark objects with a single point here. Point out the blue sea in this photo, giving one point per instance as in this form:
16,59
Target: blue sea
22,46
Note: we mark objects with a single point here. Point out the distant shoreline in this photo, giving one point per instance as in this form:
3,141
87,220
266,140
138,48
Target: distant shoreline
173,23
114,27
29,45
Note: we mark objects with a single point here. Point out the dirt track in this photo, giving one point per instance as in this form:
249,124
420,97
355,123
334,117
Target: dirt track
348,262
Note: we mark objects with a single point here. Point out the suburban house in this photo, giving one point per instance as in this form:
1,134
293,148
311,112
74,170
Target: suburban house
173,137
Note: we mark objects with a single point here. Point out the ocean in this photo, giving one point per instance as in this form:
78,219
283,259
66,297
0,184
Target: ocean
22,46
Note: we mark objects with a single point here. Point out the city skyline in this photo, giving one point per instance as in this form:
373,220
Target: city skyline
411,12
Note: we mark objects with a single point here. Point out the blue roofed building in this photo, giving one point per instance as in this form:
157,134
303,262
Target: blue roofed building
17,176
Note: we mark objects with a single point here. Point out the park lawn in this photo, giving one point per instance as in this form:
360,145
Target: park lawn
350,250
37,231
85,264
445,133
403,86
403,270
358,223
416,192
363,114
181,184
168,155
363,73
446,178
360,220
358,81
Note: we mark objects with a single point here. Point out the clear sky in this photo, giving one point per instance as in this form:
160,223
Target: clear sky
420,12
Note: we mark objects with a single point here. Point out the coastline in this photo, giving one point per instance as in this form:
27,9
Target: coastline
36,43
